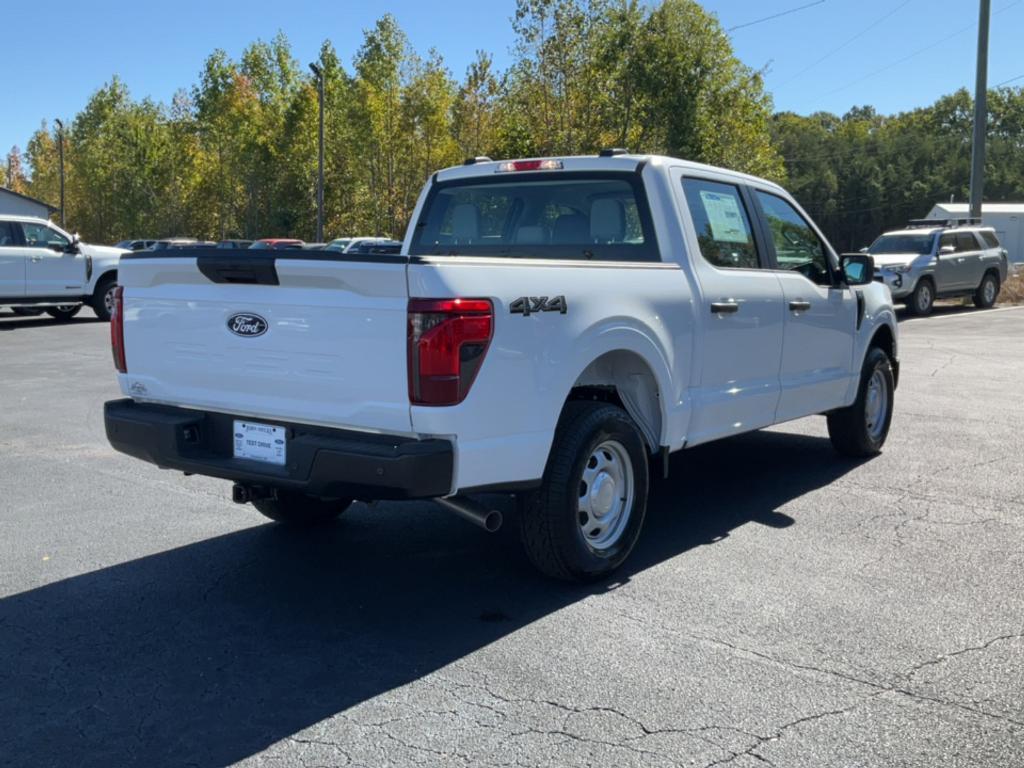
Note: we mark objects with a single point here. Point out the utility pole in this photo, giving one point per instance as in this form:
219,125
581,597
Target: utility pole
319,73
980,113
60,154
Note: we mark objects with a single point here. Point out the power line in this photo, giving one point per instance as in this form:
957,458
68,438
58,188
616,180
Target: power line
774,16
840,47
918,52
1011,80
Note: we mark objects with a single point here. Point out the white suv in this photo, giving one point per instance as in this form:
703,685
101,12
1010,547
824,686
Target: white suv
940,259
44,267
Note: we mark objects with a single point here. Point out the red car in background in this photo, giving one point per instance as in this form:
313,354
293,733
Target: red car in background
277,243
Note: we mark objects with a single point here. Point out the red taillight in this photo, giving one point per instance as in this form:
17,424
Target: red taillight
117,330
448,339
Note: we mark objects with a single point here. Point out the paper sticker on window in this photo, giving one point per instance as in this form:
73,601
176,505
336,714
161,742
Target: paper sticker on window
724,217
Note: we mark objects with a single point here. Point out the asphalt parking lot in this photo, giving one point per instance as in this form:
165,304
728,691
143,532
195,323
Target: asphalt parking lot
784,607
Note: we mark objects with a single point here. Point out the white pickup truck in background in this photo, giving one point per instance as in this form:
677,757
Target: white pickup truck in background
552,328
42,267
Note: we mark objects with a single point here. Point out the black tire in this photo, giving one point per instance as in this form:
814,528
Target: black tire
26,311
65,312
551,519
852,431
987,292
300,510
921,301
102,298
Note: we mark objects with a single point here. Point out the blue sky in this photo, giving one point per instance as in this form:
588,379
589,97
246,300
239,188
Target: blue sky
158,47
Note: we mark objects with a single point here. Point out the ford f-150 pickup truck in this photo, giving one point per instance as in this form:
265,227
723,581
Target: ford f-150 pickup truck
552,328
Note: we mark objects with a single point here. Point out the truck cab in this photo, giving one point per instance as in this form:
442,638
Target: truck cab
44,267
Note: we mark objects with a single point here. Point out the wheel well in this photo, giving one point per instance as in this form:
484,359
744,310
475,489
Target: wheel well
885,341
110,273
624,379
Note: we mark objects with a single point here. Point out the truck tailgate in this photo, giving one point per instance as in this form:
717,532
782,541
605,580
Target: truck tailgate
317,339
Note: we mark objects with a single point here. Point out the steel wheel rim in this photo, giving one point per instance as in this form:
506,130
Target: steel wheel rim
108,299
606,493
876,404
924,297
990,291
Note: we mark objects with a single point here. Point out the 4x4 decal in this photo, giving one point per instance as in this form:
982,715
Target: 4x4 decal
527,305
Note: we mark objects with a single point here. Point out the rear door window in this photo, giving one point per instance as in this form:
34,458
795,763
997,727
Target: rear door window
572,216
722,223
965,242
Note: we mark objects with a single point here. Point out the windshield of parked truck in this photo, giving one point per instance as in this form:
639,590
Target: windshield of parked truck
919,244
539,215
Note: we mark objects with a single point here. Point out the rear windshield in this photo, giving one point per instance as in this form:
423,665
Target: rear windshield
920,244
574,216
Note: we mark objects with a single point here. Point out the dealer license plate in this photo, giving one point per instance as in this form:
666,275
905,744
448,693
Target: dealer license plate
260,442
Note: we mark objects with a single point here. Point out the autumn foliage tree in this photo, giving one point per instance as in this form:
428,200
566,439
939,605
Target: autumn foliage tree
235,154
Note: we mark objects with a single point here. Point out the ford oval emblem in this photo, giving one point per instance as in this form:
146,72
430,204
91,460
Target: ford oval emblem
247,324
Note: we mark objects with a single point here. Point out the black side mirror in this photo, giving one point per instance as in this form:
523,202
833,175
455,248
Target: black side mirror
72,247
858,268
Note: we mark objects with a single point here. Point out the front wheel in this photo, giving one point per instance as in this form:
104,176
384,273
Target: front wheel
103,299
588,513
64,312
860,430
987,292
922,299
300,510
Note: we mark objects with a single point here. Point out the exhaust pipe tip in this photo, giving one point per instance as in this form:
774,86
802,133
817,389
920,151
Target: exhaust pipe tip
493,521
488,519
240,494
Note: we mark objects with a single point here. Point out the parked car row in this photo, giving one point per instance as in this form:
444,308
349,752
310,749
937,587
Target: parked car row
342,244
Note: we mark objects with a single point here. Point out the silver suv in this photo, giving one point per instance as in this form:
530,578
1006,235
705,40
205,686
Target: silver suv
932,259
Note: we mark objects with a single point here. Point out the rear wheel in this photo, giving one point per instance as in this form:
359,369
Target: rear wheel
923,297
103,299
300,510
987,292
587,516
64,312
860,430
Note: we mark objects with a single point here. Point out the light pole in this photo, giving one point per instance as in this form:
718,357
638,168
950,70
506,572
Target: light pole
319,74
980,113
60,154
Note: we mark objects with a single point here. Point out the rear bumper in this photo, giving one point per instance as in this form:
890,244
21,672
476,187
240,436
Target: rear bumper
330,463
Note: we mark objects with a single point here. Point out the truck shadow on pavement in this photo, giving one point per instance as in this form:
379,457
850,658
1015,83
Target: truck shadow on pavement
14,322
209,653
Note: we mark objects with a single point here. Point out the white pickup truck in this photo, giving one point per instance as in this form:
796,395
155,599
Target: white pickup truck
552,328
43,268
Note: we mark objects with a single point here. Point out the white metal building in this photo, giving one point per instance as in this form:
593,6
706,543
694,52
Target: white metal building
1007,219
16,204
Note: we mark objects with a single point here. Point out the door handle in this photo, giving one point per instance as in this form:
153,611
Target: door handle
725,307
37,258
799,305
